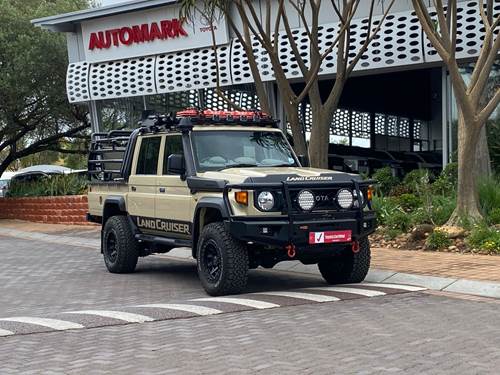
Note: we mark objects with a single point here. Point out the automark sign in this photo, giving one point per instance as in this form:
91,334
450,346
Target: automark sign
146,33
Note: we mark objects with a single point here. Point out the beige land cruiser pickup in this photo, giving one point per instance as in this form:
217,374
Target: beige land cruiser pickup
229,186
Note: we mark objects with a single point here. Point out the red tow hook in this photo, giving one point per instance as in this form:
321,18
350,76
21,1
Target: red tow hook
355,247
290,250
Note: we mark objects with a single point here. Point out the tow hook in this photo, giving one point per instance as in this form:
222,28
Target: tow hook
290,250
355,247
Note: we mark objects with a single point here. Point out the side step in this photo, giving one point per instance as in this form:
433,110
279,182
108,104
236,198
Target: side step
163,241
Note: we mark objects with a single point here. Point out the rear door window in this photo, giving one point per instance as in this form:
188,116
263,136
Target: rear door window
147,163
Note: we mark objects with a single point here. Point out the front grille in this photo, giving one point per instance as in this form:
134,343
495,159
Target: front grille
325,200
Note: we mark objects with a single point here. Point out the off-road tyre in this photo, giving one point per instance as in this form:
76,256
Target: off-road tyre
233,260
349,268
123,257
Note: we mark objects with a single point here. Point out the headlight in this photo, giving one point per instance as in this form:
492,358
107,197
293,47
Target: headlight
265,201
305,199
344,198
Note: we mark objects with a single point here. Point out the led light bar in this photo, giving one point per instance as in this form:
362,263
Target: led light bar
229,116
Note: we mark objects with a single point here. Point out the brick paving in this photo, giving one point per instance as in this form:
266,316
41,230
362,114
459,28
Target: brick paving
466,266
454,265
411,334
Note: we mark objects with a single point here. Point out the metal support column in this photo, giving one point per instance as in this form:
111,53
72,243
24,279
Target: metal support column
444,114
373,143
95,122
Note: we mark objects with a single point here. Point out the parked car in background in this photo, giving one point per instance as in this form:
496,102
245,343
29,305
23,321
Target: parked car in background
4,183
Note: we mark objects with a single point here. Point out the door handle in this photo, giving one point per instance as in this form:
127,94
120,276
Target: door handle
133,188
162,190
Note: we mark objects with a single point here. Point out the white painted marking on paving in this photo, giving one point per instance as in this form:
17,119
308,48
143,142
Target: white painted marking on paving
4,332
361,292
199,310
120,315
58,325
306,296
409,288
239,301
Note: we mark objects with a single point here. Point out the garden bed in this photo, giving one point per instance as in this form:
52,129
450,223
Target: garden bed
412,214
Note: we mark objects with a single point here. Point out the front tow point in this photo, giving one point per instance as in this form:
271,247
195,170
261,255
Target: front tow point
355,247
290,250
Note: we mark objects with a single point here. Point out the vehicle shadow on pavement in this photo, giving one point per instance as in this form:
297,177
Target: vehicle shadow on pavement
258,280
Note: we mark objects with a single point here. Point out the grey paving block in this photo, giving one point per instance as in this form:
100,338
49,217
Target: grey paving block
377,276
479,288
430,282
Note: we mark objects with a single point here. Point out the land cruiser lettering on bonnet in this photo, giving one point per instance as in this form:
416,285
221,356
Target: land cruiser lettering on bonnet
310,178
161,225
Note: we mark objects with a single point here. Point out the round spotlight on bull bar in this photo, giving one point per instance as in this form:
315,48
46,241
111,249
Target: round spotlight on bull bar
345,198
305,199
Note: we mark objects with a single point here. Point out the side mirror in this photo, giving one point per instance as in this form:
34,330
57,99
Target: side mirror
176,165
303,160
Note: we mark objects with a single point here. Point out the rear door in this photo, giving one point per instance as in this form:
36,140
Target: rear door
143,181
174,204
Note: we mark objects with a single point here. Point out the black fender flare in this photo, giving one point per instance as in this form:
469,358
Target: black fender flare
216,203
113,201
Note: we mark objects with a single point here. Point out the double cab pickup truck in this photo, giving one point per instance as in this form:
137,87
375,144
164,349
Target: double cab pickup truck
229,186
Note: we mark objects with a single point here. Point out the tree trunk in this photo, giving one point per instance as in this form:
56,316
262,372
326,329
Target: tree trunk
5,164
299,140
483,161
320,140
467,192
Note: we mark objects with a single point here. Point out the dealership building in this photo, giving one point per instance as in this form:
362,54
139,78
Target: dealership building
137,55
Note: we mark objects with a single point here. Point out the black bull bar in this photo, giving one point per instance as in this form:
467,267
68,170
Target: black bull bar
287,213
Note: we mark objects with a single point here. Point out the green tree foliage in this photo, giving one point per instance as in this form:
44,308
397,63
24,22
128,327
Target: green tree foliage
35,115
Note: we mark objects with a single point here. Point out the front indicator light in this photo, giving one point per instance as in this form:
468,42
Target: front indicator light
241,197
369,193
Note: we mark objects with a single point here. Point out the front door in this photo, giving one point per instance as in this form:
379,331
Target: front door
174,204
143,183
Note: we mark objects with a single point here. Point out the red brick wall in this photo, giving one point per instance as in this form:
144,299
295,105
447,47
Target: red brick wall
53,210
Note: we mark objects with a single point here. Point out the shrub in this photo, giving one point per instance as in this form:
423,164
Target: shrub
489,194
384,208
446,183
437,240
485,238
409,202
416,180
56,185
391,234
385,180
494,216
399,220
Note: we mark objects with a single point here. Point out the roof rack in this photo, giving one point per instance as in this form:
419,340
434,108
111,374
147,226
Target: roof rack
110,155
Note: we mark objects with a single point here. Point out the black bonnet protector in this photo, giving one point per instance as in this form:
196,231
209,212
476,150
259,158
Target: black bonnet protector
323,177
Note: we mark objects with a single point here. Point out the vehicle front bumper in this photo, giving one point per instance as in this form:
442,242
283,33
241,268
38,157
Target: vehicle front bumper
280,231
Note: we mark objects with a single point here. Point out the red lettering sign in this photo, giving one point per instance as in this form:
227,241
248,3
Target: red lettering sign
137,34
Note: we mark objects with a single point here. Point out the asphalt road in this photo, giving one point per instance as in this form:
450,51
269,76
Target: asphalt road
153,321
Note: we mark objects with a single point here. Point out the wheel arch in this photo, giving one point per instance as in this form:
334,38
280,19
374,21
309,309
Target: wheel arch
113,206
208,210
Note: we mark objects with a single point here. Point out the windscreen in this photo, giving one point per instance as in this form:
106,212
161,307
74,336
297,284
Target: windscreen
217,150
